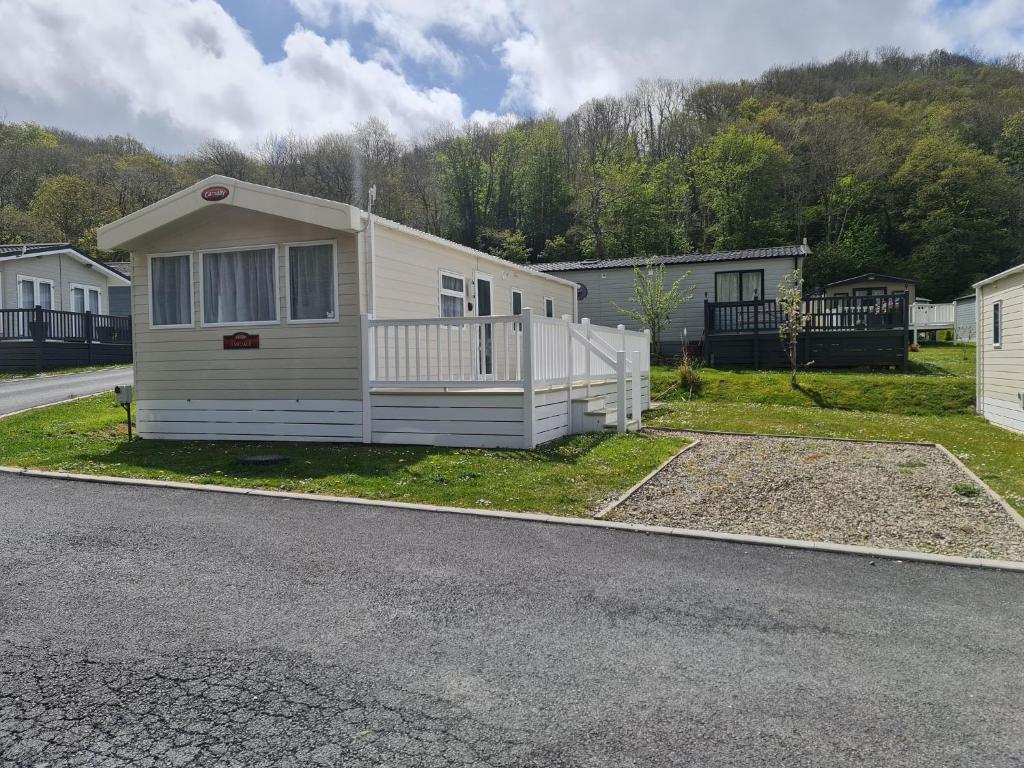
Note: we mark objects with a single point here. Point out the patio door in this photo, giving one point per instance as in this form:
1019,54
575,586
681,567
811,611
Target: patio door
34,292
485,338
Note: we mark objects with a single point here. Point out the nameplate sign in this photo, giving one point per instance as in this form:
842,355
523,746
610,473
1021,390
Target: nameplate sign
242,340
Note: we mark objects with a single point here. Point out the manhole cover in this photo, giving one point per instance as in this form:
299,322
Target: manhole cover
267,458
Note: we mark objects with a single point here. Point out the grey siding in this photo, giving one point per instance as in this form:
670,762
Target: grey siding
964,319
889,285
608,287
62,269
120,300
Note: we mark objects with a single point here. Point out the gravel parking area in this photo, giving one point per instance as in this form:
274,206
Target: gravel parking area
872,494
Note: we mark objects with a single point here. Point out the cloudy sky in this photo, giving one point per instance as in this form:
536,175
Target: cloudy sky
174,72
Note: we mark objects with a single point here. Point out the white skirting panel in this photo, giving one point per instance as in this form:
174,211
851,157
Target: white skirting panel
324,421
550,415
1005,413
457,419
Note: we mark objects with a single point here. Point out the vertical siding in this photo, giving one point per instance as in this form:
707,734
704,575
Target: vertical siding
608,287
307,361
1001,371
408,273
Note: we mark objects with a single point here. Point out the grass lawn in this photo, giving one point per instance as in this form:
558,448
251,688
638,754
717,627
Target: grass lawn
934,406
570,477
11,376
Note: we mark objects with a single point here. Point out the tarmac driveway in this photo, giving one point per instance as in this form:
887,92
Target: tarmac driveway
19,394
150,626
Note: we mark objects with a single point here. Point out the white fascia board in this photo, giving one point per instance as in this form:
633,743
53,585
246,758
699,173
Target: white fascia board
466,249
1000,276
241,194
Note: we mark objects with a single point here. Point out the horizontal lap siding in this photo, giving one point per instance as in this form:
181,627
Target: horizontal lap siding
62,269
281,419
1001,371
607,287
408,279
452,419
315,361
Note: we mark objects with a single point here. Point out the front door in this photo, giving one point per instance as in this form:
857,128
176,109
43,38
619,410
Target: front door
485,354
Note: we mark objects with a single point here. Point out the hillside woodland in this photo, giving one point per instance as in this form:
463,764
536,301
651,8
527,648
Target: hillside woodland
904,164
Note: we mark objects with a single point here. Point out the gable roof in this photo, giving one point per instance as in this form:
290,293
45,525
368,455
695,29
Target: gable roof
1004,273
16,251
772,252
329,214
868,277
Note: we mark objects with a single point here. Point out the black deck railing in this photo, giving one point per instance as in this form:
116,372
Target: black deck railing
824,314
56,325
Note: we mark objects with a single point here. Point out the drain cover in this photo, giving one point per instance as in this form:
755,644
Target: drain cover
266,458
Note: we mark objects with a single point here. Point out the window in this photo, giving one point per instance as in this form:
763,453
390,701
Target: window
549,307
878,291
453,295
739,285
517,301
35,291
85,298
170,290
312,283
997,324
240,286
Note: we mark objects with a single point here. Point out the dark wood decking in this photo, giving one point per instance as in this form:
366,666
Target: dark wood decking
842,332
43,339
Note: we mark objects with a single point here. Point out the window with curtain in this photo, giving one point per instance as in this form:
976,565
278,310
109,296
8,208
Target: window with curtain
549,307
876,291
311,288
739,285
35,291
239,286
85,298
453,295
170,289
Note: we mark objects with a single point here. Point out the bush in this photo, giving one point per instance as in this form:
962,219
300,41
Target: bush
690,379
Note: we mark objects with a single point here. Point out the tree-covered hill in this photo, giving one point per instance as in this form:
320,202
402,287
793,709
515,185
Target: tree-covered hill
903,164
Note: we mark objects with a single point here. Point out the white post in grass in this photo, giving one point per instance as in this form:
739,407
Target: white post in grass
586,354
622,335
367,366
569,366
620,393
637,389
529,427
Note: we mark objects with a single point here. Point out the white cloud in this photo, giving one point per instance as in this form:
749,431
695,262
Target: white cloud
175,72
559,54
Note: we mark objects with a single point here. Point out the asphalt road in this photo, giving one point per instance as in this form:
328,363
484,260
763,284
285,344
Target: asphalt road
19,394
167,627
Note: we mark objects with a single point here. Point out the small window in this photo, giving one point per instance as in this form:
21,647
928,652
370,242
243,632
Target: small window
739,285
312,285
876,291
85,298
240,286
453,295
997,324
517,302
170,290
549,307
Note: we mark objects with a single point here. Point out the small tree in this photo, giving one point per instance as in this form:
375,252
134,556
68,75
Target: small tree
794,319
654,302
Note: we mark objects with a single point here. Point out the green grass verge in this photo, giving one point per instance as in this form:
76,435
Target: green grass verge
570,477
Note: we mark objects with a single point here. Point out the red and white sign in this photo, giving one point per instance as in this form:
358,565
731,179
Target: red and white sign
214,194
242,340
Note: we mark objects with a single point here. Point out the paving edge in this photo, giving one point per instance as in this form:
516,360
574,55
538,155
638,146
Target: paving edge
645,480
816,546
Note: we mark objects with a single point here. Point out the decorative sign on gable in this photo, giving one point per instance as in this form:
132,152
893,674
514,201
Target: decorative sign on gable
242,340
215,193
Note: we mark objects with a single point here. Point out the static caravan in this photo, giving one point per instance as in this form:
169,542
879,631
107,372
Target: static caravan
55,276
726,276
873,284
265,314
965,321
1000,348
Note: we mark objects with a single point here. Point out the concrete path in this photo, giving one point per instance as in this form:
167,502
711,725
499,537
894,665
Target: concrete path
150,626
19,394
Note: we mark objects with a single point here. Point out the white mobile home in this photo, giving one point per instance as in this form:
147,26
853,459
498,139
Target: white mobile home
265,314
726,276
1000,339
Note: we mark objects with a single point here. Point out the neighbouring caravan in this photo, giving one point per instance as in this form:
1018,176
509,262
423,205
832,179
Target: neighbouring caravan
1000,350
265,314
965,322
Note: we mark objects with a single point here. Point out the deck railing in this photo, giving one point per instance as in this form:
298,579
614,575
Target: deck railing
511,351
824,314
41,325
924,316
